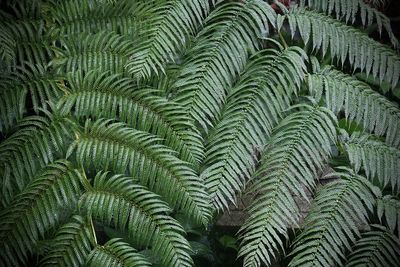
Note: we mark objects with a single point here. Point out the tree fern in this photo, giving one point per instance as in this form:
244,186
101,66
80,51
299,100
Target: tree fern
345,43
71,244
388,211
89,97
121,202
218,56
375,157
358,101
139,119
350,10
244,126
331,226
116,253
112,146
375,248
42,204
298,148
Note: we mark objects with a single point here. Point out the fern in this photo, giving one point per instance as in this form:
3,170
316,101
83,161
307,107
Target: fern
42,204
358,101
388,211
218,56
348,10
151,118
294,154
111,145
116,253
332,222
375,248
75,234
243,126
345,43
376,158
141,212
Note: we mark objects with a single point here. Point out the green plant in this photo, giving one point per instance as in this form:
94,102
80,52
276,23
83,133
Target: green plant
151,117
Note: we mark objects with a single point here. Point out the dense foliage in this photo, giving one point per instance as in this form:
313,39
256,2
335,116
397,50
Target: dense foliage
126,124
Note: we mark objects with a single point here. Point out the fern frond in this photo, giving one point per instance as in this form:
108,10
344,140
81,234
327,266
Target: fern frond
71,245
106,145
252,109
118,201
75,17
346,44
38,141
375,248
300,145
104,95
106,51
388,208
49,197
332,223
28,42
170,25
219,54
116,253
350,10
360,103
377,159
12,102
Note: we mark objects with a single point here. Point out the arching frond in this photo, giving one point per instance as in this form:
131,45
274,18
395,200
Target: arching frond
220,53
345,43
106,95
74,16
300,145
71,245
377,159
38,141
252,109
25,41
359,102
119,202
28,80
388,211
375,248
106,145
332,223
171,24
49,197
116,253
349,10
104,51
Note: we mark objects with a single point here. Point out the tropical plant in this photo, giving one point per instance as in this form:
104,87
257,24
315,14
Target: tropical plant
149,118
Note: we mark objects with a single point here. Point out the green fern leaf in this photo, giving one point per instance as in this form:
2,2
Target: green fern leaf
71,245
43,203
332,224
349,9
74,17
38,141
114,146
220,53
118,201
106,95
252,109
300,145
346,44
105,51
377,159
388,208
171,25
375,248
359,102
116,253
